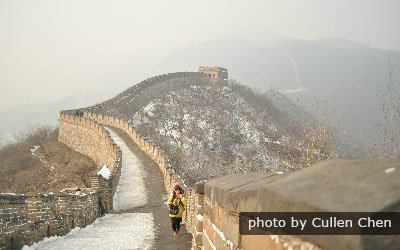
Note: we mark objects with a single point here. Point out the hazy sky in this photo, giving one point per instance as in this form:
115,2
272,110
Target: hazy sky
51,49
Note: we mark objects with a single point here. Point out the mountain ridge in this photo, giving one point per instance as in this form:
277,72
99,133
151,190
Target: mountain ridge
209,129
347,75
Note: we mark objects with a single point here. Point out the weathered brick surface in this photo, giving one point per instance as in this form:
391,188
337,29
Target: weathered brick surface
316,188
221,244
198,225
261,242
29,218
90,138
198,239
207,243
207,229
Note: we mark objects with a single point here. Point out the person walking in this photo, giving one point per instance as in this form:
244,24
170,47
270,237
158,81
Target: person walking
176,203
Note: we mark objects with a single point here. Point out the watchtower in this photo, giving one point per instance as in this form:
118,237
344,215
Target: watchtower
215,73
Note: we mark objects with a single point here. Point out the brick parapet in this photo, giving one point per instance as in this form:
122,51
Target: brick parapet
28,218
90,138
317,188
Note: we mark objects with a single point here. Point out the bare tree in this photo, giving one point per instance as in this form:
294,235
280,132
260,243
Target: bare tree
319,134
384,141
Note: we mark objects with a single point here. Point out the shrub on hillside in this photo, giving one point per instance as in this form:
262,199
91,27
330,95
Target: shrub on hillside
38,162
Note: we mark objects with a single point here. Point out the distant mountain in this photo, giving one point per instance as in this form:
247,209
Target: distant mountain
22,117
344,74
210,129
341,43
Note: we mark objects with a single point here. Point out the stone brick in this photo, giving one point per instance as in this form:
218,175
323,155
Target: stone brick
207,245
198,224
260,242
230,227
221,244
198,239
207,228
198,209
220,222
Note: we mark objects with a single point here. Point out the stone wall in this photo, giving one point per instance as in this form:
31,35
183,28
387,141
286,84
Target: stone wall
89,138
194,213
330,186
25,219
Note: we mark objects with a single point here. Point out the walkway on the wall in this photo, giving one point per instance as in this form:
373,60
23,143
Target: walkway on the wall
140,219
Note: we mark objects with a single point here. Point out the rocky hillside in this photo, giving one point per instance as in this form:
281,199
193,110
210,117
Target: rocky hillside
38,162
210,129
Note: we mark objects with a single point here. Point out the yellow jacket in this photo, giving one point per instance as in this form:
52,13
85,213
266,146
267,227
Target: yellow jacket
181,205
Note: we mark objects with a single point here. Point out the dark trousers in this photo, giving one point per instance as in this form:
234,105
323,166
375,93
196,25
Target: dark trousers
176,223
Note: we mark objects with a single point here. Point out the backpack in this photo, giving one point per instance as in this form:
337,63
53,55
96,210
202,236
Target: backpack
173,207
174,210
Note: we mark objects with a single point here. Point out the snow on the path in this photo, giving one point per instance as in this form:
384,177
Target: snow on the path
131,190
113,231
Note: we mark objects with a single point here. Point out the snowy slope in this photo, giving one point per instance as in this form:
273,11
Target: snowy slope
207,129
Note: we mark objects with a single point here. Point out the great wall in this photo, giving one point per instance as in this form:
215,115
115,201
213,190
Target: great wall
212,214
